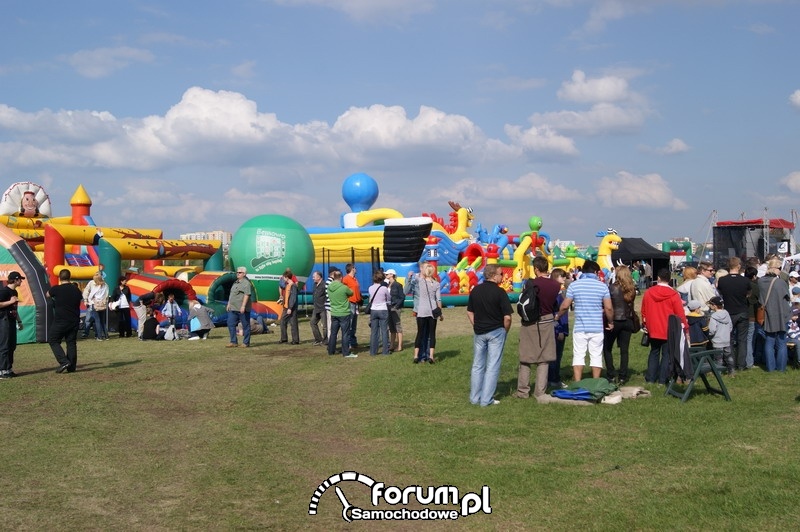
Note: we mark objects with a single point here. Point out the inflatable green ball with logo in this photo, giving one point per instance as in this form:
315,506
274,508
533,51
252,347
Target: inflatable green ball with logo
268,244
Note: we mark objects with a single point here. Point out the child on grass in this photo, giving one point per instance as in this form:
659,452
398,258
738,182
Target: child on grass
698,324
719,329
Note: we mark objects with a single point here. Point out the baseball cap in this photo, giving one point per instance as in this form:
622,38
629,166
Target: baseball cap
794,274
694,304
716,301
390,271
13,276
796,290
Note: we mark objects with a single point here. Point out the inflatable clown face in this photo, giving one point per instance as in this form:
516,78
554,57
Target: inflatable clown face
29,206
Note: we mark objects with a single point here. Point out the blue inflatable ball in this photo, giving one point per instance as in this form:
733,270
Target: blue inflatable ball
360,191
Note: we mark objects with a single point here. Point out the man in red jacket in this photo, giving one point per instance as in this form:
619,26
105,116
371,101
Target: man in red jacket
658,304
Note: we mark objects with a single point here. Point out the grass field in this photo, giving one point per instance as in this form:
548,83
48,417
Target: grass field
193,436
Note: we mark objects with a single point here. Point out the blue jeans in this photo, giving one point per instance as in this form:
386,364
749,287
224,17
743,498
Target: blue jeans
99,327
775,351
235,317
379,331
343,323
488,354
657,362
751,333
353,325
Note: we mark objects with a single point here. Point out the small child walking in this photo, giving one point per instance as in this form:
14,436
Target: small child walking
719,329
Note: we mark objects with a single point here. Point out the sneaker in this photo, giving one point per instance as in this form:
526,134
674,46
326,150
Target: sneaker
232,345
494,402
11,373
5,376
518,395
351,355
194,338
62,369
317,343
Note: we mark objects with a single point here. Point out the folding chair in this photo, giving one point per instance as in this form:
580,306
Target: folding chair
702,364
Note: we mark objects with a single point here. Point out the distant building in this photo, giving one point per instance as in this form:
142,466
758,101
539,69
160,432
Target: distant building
223,236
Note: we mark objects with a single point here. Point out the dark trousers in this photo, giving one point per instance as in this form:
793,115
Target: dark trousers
621,334
740,324
657,362
289,321
343,323
64,332
554,369
124,322
8,343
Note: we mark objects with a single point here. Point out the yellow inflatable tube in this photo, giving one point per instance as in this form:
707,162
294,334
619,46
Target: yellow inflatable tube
174,271
84,234
77,272
368,217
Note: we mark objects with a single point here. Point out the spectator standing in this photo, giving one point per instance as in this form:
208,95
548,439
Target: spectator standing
561,331
339,295
774,297
9,321
379,301
754,331
658,304
537,341
397,299
592,302
66,297
734,289
289,314
349,280
95,296
489,312
427,296
319,313
623,295
172,310
239,305
122,300
719,329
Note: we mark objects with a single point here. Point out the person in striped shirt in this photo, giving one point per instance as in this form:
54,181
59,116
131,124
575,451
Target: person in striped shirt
592,302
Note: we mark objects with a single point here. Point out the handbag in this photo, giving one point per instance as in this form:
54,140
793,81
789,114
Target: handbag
645,339
194,324
637,323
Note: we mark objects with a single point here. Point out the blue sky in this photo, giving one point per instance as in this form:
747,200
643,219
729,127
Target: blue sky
641,115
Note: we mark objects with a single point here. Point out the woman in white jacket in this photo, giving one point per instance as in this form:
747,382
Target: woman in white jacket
95,296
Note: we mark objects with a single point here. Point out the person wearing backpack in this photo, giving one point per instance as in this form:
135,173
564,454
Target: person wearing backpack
537,341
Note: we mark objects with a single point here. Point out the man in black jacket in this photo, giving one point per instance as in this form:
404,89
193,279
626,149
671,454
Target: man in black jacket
734,289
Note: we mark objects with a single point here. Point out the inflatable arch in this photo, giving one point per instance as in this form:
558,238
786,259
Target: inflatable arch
34,307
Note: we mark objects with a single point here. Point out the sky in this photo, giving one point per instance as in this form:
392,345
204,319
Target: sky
651,117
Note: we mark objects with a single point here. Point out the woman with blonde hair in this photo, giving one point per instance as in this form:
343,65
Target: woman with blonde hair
95,296
427,304
689,275
623,294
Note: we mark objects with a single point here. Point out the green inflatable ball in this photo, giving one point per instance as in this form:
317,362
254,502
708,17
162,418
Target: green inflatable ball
268,244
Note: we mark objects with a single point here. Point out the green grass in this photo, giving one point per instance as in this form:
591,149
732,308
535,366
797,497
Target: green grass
190,435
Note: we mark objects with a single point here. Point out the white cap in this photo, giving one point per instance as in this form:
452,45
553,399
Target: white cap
794,274
390,271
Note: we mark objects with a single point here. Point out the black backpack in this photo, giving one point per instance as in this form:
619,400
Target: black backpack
528,303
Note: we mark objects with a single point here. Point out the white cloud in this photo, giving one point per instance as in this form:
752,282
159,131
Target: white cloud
792,182
531,186
370,10
760,28
244,70
601,118
630,190
594,90
541,140
794,99
673,147
225,129
102,62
